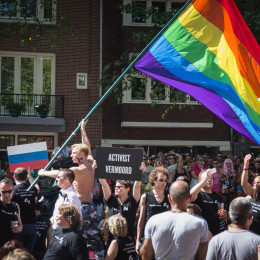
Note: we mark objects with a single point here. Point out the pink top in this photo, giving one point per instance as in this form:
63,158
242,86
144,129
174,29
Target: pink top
216,184
195,168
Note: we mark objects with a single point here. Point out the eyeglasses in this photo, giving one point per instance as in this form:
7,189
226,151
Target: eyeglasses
6,191
162,180
144,159
119,187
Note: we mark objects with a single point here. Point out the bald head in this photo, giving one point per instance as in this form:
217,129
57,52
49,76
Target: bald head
180,192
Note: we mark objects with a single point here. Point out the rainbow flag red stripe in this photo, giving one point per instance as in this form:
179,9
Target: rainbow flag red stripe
210,53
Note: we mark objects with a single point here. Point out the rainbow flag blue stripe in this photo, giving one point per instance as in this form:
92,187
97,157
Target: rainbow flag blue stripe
209,53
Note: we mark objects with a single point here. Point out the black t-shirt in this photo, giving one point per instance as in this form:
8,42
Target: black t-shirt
67,244
126,248
127,209
8,213
26,201
255,226
208,202
153,207
42,225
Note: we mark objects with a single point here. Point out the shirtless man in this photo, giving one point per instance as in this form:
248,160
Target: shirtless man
83,185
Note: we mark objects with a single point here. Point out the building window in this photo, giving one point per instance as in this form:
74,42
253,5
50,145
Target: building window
28,139
7,140
27,73
34,10
148,90
139,16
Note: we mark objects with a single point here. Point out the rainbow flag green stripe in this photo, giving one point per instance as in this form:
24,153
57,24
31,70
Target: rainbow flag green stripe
202,51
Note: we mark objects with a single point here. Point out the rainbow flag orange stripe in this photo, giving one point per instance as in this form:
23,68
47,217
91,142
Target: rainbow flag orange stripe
210,53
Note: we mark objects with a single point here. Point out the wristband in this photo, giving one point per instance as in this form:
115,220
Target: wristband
245,168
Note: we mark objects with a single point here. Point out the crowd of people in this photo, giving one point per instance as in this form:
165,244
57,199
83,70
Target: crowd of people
185,207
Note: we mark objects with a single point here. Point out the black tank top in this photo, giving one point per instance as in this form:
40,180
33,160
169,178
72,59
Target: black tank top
177,174
152,206
255,226
126,248
8,214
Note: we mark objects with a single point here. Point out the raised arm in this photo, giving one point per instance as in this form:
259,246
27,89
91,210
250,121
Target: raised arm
196,189
31,179
137,185
105,188
141,222
249,190
84,136
45,173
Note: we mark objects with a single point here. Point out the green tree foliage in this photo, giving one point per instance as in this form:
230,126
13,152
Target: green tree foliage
33,29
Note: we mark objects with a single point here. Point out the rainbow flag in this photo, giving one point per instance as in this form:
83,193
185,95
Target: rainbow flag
209,53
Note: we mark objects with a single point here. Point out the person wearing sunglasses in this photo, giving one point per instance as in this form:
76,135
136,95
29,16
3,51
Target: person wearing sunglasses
124,201
10,221
153,202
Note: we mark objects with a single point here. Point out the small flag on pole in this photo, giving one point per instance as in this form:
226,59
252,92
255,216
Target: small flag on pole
34,155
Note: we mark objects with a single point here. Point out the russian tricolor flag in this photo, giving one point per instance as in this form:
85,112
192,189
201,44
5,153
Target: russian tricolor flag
34,155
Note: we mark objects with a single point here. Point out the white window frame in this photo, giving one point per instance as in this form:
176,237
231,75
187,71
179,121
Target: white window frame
127,95
38,70
39,15
78,86
127,18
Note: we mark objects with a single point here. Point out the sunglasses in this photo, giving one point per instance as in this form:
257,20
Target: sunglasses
119,187
257,182
6,191
162,180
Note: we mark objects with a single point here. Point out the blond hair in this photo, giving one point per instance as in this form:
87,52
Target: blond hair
19,254
71,214
117,225
81,148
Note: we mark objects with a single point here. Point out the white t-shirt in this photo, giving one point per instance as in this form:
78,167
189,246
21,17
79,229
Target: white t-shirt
176,235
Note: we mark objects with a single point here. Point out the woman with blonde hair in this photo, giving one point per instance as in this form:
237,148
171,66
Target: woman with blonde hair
122,246
67,242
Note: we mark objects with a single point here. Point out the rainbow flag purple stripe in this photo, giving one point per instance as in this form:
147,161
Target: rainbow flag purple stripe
209,53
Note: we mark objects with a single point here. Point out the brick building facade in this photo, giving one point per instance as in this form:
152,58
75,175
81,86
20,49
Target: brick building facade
71,59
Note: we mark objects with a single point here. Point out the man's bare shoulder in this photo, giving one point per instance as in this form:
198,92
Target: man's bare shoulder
82,169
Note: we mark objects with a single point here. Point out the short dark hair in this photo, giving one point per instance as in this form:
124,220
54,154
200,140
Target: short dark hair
196,209
239,210
180,191
20,173
68,173
127,184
